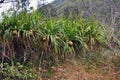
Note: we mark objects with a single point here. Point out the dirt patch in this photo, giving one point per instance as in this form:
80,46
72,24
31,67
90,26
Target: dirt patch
78,71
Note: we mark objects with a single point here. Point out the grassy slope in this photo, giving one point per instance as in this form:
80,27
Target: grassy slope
95,67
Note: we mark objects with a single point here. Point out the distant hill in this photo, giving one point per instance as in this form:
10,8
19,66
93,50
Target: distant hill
62,5
74,7
107,11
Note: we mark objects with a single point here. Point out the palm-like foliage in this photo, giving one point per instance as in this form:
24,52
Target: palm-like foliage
51,38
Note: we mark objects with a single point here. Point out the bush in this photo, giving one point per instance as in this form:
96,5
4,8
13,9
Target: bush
16,72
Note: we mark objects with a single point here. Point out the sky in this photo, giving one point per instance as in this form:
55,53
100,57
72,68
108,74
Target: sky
33,2
6,6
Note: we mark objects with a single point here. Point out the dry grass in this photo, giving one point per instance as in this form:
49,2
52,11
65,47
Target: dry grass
77,70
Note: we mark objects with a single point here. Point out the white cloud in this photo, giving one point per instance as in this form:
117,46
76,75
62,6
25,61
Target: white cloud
50,1
5,6
35,2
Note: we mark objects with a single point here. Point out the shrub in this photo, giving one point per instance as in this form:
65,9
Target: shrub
16,72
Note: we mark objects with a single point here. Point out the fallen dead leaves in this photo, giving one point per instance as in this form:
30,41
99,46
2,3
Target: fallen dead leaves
69,71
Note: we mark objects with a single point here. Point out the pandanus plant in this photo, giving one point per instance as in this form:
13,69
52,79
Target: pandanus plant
71,37
6,37
51,38
49,34
91,32
16,34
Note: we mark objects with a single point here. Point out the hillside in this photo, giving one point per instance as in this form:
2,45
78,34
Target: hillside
63,40
106,11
